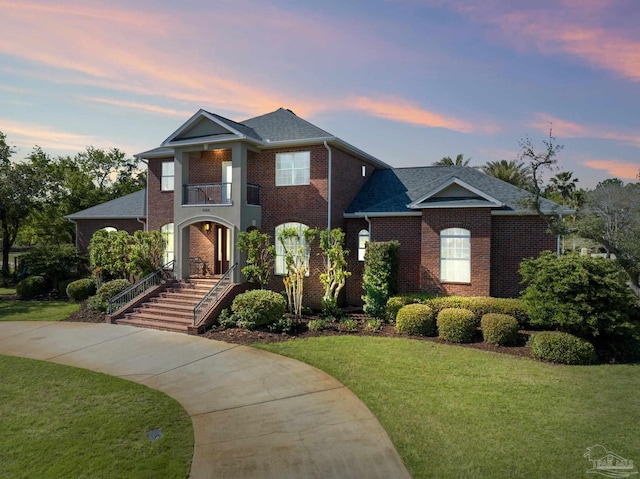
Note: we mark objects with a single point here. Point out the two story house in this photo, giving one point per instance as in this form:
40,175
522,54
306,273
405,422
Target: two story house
460,230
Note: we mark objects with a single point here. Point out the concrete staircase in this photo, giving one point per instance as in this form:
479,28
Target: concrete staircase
172,310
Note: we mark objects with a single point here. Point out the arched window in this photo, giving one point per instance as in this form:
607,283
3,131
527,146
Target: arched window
167,235
363,239
455,255
292,245
109,229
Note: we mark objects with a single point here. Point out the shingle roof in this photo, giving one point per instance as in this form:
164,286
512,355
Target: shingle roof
133,205
390,191
284,125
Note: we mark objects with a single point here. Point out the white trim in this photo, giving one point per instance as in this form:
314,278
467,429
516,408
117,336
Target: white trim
454,180
191,121
381,214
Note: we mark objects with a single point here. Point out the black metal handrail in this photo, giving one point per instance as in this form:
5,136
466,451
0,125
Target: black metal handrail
207,194
154,279
201,310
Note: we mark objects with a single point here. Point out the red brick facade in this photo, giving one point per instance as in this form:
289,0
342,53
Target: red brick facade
159,203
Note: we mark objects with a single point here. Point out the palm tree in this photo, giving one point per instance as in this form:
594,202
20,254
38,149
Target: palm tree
447,161
564,184
514,172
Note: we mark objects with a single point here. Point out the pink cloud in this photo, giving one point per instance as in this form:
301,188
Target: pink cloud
567,129
139,106
398,109
619,169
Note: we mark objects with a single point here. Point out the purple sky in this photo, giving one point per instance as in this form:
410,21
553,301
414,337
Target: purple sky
408,81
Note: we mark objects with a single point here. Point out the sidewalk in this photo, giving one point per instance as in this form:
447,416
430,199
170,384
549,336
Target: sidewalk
255,414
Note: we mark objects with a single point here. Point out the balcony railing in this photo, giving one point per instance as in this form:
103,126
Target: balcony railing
216,194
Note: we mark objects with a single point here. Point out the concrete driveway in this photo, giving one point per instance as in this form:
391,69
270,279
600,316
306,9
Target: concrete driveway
255,414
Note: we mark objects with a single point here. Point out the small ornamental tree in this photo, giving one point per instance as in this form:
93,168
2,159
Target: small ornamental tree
295,243
335,274
580,295
380,278
260,252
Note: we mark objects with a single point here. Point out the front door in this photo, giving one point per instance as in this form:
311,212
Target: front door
223,249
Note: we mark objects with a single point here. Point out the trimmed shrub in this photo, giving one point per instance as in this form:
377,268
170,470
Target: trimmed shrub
416,319
500,329
380,278
81,289
457,325
258,307
580,295
559,347
31,287
100,302
394,304
481,305
55,262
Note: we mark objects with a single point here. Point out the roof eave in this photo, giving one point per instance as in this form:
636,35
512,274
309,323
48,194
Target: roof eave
380,214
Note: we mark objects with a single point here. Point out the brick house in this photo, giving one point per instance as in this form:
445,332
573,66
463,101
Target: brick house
460,230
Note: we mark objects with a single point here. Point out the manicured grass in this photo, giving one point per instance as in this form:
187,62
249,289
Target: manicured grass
58,421
18,310
4,291
457,412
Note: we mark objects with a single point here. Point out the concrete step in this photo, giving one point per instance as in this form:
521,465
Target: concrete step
151,324
165,304
158,317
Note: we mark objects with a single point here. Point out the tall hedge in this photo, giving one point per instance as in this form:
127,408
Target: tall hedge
380,278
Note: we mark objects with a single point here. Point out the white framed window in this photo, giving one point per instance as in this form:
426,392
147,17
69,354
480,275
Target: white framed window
364,170
168,174
293,168
293,245
455,255
167,234
363,239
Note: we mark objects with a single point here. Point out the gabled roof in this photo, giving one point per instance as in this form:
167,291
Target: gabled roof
280,128
133,205
407,190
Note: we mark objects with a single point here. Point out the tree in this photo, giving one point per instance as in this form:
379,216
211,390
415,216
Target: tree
380,277
611,217
260,252
295,243
538,162
565,185
335,274
513,172
447,161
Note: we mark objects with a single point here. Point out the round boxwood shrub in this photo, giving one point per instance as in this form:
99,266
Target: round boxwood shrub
258,307
31,287
559,347
499,329
108,290
81,289
416,319
457,325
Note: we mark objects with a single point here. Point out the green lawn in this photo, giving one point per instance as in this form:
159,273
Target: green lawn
455,412
17,310
62,422
4,291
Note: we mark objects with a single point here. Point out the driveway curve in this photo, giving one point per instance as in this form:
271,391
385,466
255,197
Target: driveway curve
255,414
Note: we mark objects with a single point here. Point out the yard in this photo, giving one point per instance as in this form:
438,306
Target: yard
459,412
20,310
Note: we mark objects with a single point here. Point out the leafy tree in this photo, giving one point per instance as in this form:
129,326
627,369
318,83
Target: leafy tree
611,217
119,255
296,257
260,252
448,161
576,294
564,184
513,172
54,262
334,277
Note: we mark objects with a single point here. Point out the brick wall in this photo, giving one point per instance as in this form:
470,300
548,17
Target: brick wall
515,238
478,222
160,203
86,228
206,166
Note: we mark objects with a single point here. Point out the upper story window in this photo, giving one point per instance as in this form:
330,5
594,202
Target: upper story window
168,173
167,235
293,168
363,239
455,255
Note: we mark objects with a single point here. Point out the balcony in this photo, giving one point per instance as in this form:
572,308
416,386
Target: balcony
216,194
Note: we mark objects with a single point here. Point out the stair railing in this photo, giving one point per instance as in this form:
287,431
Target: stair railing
160,275
201,310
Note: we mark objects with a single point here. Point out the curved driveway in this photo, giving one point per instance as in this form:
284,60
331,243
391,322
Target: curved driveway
255,414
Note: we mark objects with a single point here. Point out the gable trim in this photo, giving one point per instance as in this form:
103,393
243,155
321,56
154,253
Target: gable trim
233,133
493,202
